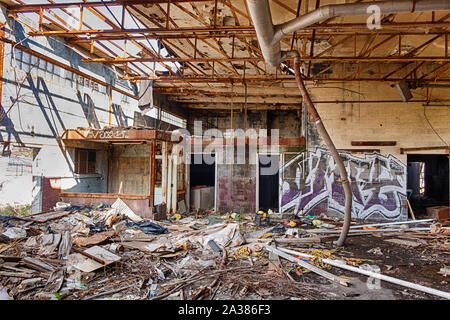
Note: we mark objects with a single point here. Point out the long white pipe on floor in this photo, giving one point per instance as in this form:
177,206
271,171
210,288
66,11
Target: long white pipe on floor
392,223
340,264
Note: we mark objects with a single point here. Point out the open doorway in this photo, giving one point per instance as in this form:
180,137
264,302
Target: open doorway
202,181
268,182
428,182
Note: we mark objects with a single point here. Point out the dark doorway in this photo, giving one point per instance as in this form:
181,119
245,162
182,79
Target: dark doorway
202,182
428,182
202,173
268,182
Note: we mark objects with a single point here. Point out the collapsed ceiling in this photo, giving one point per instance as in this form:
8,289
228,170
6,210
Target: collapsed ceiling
206,51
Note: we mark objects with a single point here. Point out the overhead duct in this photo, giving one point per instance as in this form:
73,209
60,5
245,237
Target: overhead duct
269,37
404,91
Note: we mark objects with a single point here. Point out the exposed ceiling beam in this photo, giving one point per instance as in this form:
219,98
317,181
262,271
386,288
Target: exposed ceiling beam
354,27
259,78
93,4
237,59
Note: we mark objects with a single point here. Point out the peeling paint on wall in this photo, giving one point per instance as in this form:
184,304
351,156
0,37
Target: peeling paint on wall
311,185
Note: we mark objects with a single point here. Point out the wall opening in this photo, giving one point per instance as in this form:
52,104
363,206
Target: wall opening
202,182
428,182
268,194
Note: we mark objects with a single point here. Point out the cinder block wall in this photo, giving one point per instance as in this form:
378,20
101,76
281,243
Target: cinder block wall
49,103
403,122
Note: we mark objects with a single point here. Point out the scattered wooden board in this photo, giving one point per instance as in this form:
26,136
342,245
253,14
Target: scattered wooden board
89,265
94,239
17,274
404,242
47,216
38,265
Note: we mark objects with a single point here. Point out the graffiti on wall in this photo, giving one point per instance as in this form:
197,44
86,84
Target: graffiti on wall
311,184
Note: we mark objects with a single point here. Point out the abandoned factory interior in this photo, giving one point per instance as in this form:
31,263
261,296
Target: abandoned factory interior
224,150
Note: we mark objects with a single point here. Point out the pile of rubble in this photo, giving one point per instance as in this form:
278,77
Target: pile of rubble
109,252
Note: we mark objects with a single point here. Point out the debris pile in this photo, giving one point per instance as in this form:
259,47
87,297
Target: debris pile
109,252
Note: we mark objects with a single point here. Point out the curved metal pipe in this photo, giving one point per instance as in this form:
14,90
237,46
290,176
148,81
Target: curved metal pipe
334,153
269,36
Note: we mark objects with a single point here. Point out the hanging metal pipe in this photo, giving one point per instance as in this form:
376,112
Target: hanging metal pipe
334,153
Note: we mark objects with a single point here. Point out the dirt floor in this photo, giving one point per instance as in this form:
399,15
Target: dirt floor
59,256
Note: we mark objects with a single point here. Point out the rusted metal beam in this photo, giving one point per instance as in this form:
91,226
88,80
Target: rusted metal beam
228,59
297,13
403,150
295,141
152,174
373,143
313,39
326,29
259,78
355,151
90,256
103,195
433,71
238,34
414,70
93,4
199,105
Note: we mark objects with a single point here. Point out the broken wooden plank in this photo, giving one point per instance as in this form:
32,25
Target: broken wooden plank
10,258
98,295
308,266
38,265
404,242
47,216
17,274
10,268
4,247
88,255
89,265
94,239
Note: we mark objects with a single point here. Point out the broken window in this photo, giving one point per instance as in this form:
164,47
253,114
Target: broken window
422,178
85,161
